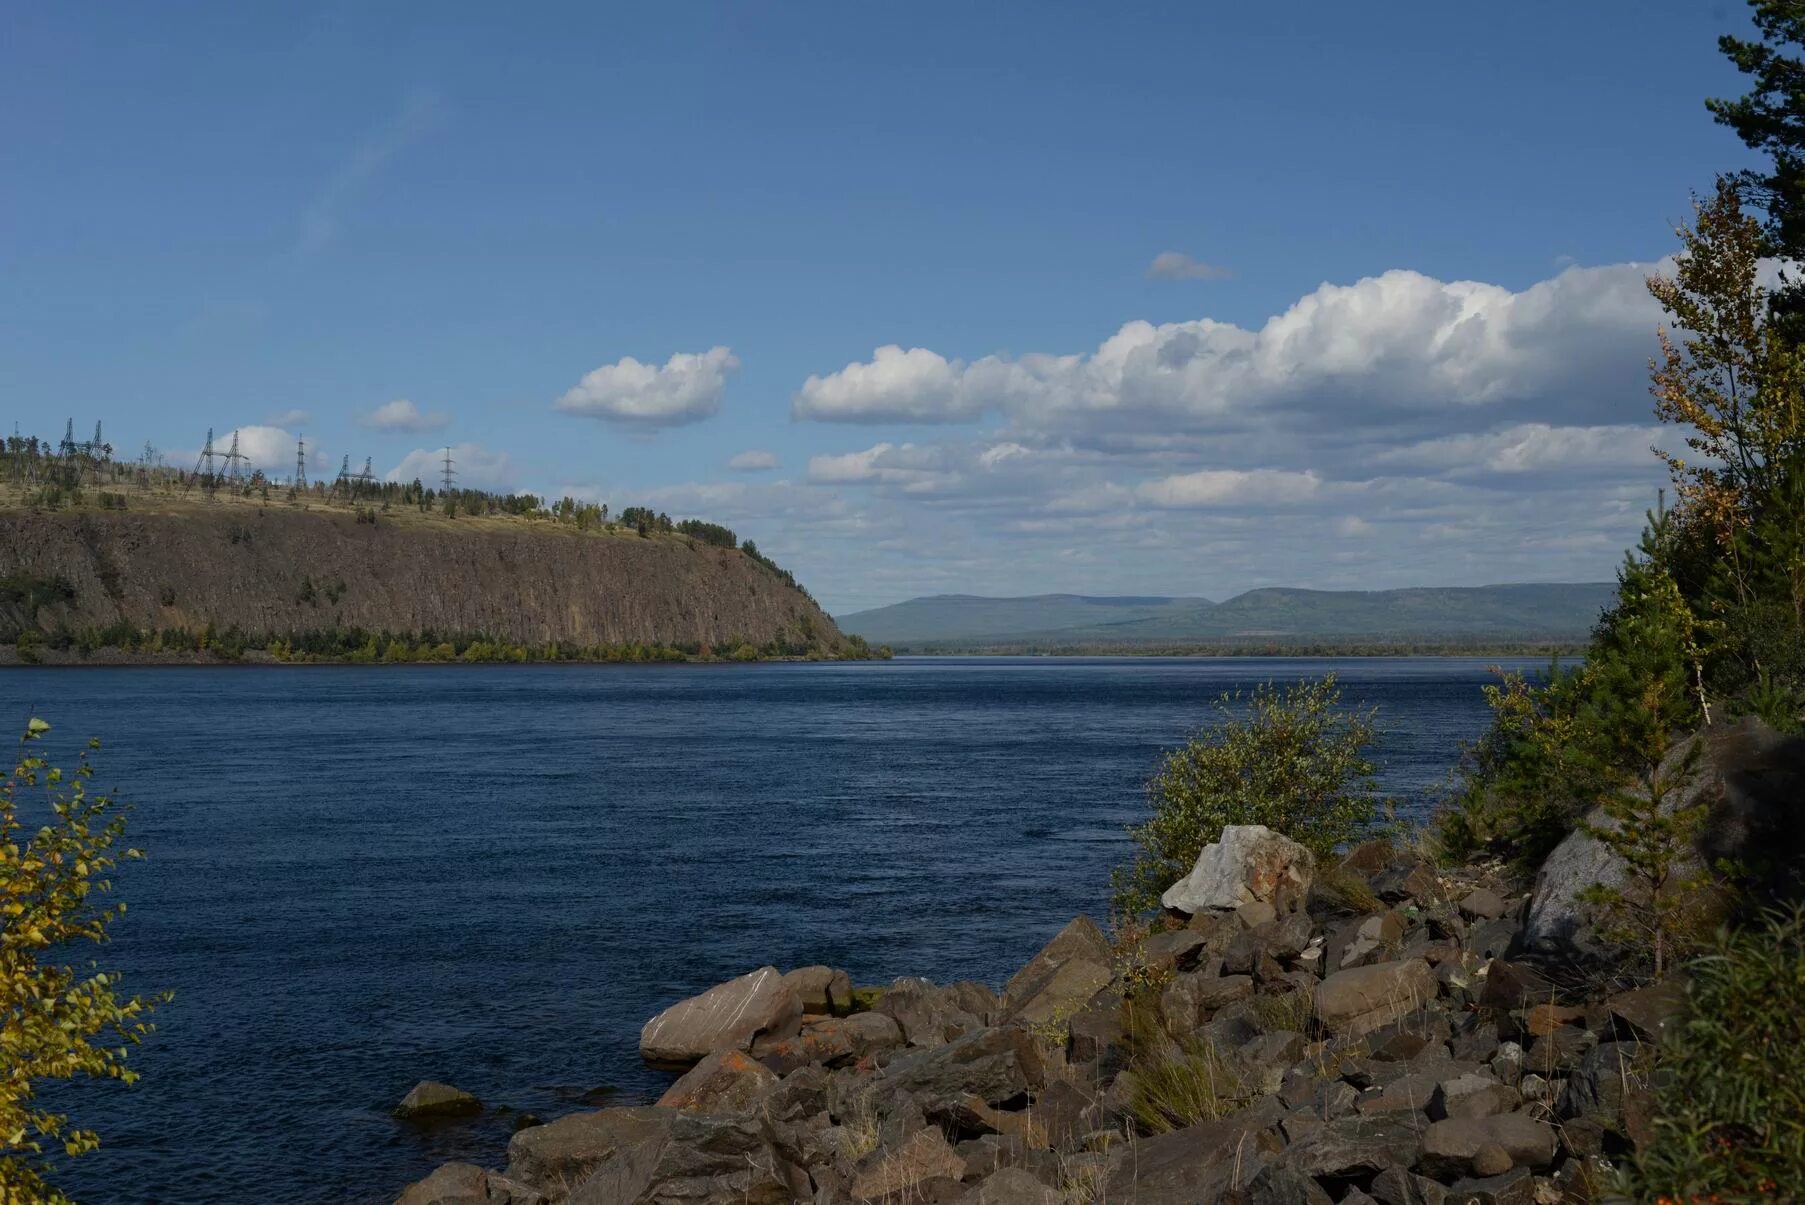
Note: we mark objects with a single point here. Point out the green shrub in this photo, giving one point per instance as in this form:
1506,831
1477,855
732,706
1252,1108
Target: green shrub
1290,758
1731,1081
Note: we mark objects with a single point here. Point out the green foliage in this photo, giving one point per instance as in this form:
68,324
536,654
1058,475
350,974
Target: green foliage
1291,758
1171,1083
56,1023
1731,1099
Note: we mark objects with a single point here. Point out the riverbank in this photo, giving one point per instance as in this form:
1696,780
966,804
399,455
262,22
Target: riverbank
1378,1030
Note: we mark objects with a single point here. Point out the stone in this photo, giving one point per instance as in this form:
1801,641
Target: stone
1175,950
1747,777
1096,1031
1362,999
725,1017
1449,1146
1185,1002
925,1155
1203,1162
1249,863
1376,939
1647,1013
929,1015
1369,857
1396,1186
1513,985
821,989
1470,1096
697,1157
1067,1112
831,1041
1544,1019
1515,1186
1559,1051
568,1149
1010,1186
1601,1077
727,1081
1492,939
429,1099
1060,995
1353,1146
1491,1160
1256,913
1399,883
1483,904
1279,1185
994,1065
467,1184
1080,939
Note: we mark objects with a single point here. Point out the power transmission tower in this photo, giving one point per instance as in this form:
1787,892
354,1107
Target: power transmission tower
301,463
449,476
67,447
203,467
342,481
235,462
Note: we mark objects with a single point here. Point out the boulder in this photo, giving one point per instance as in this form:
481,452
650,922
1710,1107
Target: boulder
1062,994
727,1081
1354,1146
821,989
429,1099
1747,778
1249,864
1601,1078
1010,1186
1483,904
1187,1001
1472,1095
924,1156
1362,999
725,1017
468,1184
1376,939
1280,1185
1647,1012
928,1015
1175,950
1079,942
831,1042
697,1157
1450,1146
994,1065
565,1151
1396,1186
1199,1163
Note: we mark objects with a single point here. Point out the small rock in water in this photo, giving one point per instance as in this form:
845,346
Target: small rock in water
430,1098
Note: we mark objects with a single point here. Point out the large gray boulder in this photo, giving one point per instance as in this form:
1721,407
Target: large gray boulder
697,1158
565,1151
1449,1147
1745,776
1069,970
1249,864
725,1017
429,1099
468,1184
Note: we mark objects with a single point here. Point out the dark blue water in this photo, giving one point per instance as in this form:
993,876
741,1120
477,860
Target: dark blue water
359,878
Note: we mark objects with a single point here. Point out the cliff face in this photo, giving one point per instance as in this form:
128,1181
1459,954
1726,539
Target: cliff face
277,570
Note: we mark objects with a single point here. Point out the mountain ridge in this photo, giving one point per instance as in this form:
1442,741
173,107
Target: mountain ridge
1527,611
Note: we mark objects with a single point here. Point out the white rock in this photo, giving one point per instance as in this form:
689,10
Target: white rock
1249,865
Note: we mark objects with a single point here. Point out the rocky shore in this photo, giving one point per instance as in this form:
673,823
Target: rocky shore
1379,1030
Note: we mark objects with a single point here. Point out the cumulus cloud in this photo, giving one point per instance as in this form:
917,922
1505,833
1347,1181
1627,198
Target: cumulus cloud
687,389
402,415
1531,448
1391,347
476,467
913,385
1176,265
752,460
289,418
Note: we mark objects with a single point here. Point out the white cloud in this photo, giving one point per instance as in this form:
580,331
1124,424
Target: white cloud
1400,344
289,418
402,415
848,466
915,385
1243,488
686,389
1176,265
476,467
752,460
1532,448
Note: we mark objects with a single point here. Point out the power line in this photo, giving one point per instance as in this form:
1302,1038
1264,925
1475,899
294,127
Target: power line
449,476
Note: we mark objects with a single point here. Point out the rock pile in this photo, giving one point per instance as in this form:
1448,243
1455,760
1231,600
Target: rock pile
1363,1034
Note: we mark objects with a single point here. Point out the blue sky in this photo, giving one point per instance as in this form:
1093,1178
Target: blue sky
297,218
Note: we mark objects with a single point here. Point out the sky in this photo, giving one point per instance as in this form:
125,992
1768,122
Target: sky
933,298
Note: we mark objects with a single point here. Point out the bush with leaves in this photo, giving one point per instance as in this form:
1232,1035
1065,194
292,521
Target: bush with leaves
1730,1120
56,1022
1291,758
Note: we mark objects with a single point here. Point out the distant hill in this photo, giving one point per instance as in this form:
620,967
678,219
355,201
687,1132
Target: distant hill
1438,614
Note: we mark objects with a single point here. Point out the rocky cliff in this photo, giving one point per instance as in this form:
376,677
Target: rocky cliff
275,570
